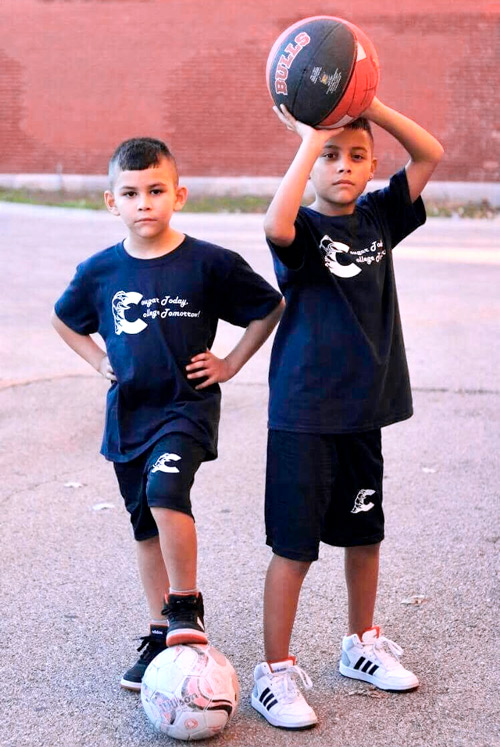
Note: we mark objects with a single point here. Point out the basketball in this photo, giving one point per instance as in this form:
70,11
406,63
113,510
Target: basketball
324,69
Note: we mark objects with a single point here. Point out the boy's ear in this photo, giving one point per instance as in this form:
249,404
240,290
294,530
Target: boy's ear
181,197
374,168
109,199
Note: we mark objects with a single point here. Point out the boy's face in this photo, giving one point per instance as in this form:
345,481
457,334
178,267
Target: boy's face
342,171
145,200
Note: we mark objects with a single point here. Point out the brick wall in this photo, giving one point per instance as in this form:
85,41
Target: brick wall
79,76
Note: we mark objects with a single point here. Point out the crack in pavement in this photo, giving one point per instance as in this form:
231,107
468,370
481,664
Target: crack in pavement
14,383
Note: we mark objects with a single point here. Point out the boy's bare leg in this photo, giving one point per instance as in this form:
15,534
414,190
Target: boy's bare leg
361,566
153,575
281,595
361,573
155,583
178,547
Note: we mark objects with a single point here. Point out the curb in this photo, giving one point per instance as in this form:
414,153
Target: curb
263,186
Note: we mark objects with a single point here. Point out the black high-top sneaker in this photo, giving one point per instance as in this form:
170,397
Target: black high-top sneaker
151,645
185,615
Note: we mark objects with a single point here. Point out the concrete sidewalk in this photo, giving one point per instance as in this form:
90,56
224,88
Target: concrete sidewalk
71,602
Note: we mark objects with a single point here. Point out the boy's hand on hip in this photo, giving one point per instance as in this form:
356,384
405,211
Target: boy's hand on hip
106,370
216,370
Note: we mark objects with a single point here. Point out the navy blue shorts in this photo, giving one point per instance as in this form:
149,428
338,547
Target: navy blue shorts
161,477
323,488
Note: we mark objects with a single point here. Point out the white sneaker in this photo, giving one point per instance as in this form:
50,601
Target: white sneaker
277,697
375,659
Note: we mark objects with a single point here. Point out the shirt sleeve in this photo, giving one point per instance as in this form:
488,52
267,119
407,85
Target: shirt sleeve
292,256
243,295
76,307
394,207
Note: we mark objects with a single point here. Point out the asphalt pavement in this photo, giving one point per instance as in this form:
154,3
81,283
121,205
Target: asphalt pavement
71,604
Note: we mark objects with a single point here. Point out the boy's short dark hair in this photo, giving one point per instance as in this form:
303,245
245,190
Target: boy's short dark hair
137,154
361,124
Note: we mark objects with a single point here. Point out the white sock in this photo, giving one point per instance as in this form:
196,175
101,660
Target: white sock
183,592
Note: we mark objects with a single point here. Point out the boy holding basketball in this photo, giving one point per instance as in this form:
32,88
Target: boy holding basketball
155,299
338,375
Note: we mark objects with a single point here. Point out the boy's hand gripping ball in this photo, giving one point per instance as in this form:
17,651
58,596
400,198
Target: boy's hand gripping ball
324,70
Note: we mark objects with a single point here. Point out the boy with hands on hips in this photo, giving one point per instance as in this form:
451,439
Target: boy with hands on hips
338,375
156,298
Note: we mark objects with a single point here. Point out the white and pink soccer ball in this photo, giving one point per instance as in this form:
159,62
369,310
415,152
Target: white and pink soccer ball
190,692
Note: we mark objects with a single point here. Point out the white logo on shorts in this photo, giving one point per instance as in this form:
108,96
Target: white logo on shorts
161,464
359,501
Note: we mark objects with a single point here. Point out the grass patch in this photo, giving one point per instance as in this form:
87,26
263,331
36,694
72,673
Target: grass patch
482,210
95,201
60,198
225,204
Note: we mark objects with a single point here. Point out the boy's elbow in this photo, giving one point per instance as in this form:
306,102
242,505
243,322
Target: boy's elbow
279,235
439,152
57,323
278,311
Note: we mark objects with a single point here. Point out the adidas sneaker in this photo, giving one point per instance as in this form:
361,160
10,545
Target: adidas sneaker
277,697
185,614
151,645
375,659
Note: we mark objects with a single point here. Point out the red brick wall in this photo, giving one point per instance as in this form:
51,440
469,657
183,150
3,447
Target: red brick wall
79,76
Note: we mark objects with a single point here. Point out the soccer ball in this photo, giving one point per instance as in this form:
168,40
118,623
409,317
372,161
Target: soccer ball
190,692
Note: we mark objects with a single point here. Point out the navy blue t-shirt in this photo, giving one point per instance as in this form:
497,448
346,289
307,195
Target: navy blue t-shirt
154,316
338,363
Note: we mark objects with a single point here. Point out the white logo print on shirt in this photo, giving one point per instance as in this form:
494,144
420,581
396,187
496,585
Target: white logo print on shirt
359,501
333,249
161,464
149,308
122,301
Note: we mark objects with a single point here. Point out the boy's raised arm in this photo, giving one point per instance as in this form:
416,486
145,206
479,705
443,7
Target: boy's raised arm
279,223
424,150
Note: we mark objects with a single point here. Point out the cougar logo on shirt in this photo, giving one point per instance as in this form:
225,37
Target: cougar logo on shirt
331,250
161,464
121,303
359,501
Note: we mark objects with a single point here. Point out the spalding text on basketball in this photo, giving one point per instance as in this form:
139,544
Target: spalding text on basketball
285,61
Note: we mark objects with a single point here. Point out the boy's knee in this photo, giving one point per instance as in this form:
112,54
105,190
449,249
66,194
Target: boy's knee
167,493
165,517
362,553
290,565
371,549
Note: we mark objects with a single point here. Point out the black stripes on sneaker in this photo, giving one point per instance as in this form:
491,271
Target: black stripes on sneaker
267,699
365,665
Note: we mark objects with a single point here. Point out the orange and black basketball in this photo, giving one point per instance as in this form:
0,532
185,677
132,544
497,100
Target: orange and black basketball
324,69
